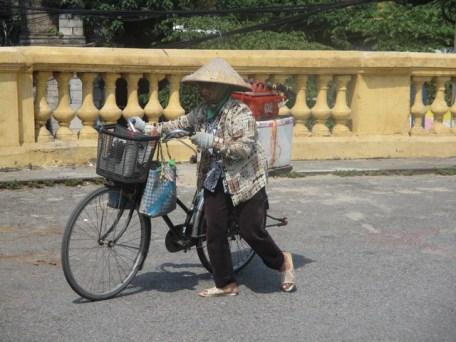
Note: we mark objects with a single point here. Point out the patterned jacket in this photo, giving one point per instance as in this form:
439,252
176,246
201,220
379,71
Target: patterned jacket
236,139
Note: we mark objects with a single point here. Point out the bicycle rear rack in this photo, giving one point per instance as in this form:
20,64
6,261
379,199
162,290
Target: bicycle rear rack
281,221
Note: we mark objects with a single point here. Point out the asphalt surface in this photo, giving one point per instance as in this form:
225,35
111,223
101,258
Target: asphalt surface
375,260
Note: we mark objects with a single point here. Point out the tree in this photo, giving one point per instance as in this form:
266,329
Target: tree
411,25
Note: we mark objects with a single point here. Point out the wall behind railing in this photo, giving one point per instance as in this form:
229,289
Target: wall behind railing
363,104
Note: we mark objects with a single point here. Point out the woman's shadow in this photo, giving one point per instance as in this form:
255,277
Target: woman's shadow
173,277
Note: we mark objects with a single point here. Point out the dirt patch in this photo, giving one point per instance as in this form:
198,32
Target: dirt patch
47,231
8,229
32,258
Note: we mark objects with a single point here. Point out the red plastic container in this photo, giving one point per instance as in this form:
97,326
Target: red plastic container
264,105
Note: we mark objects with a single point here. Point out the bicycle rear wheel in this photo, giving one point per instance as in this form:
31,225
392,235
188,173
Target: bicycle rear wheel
104,243
241,252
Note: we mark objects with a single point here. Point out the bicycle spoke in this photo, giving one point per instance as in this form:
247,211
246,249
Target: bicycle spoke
94,270
90,221
121,259
130,240
116,265
127,246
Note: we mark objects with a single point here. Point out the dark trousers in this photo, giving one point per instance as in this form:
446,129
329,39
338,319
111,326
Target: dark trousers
218,207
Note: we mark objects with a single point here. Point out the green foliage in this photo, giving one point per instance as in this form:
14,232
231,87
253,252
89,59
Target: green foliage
383,26
388,25
189,97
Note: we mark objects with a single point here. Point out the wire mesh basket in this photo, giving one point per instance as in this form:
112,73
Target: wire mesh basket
123,155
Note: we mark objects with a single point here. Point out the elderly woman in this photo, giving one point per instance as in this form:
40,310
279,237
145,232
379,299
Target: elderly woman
232,172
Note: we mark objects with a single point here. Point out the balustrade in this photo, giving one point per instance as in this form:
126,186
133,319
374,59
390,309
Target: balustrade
110,112
368,114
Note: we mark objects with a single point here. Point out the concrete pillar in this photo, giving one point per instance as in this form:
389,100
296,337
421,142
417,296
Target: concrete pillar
381,104
9,110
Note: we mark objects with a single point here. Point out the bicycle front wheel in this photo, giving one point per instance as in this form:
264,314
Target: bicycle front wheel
104,243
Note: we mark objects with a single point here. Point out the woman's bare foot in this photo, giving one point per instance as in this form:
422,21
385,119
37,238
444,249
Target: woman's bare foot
229,290
288,276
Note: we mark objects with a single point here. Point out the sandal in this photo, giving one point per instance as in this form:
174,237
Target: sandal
217,292
288,276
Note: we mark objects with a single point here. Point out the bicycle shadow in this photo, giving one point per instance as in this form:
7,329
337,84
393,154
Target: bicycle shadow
173,277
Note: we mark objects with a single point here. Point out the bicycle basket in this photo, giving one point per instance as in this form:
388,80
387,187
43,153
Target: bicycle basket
123,155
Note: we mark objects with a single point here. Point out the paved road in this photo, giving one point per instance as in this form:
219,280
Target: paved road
375,257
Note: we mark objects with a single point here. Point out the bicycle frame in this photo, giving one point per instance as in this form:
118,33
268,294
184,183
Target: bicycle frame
188,232
190,228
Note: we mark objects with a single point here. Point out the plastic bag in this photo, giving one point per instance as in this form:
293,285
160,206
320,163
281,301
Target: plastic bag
159,197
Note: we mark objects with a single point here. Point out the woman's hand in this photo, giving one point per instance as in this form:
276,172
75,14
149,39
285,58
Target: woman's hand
203,140
144,127
138,123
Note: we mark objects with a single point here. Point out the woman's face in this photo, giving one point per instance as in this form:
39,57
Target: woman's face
211,93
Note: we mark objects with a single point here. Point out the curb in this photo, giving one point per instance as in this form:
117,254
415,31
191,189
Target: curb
76,176
347,172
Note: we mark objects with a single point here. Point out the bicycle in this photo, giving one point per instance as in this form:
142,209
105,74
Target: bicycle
106,239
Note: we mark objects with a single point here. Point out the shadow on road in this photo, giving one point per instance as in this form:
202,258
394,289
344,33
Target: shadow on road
176,277
261,279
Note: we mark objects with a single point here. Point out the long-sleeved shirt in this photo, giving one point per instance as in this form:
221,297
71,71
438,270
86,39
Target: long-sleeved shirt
236,139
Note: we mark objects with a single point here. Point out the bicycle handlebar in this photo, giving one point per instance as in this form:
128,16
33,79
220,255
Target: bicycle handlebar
177,134
117,132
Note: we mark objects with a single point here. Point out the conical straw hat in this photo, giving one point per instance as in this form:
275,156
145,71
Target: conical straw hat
217,70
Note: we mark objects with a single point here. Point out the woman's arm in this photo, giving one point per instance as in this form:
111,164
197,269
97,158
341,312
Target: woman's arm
186,122
242,133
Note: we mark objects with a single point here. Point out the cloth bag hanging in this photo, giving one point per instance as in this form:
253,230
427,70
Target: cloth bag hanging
160,193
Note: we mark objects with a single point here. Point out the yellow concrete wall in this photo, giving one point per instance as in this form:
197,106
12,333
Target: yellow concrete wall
378,106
